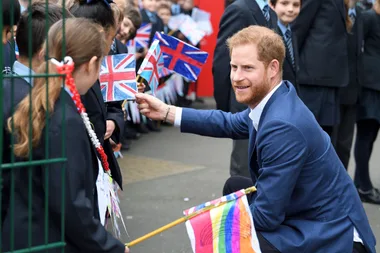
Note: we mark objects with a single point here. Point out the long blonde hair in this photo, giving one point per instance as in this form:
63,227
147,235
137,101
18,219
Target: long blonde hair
348,19
83,40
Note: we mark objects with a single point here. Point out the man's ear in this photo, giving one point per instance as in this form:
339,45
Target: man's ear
273,68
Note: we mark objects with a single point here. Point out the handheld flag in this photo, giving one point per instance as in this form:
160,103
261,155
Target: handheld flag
190,29
226,228
131,45
194,214
181,57
150,68
143,35
118,77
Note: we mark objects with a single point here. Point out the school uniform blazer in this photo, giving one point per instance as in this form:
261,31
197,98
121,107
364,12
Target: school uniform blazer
371,56
349,95
99,112
74,179
238,15
11,98
322,43
305,201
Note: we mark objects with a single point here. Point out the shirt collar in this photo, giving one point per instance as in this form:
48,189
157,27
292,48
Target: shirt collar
22,70
282,27
256,112
262,3
352,10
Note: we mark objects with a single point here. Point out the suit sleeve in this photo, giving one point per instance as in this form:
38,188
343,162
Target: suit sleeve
233,20
81,228
116,114
215,123
305,19
283,152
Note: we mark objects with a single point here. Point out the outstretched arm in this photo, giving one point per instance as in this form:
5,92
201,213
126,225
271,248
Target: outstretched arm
213,123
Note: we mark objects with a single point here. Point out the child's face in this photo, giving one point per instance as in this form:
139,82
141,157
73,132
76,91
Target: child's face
125,30
149,5
188,5
7,33
165,15
287,10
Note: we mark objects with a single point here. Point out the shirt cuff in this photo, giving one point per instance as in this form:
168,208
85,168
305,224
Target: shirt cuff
178,117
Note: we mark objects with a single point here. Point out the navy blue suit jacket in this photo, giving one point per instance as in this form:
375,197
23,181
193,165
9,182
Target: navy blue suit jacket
306,201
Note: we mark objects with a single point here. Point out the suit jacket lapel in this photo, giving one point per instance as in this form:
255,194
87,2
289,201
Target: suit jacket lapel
342,9
273,19
256,12
254,169
358,28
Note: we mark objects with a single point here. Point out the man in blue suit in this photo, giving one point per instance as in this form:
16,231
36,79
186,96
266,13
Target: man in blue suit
305,200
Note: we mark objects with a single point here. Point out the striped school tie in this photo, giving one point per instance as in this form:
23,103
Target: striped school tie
289,44
266,12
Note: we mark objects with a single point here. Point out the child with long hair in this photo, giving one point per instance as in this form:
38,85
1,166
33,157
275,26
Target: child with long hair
107,119
46,206
35,20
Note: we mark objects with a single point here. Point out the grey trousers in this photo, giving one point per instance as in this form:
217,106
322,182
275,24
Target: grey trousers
239,158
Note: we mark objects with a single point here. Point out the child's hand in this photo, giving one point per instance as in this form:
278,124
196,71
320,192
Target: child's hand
141,87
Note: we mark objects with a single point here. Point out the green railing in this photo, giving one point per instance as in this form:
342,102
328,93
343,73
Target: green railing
13,164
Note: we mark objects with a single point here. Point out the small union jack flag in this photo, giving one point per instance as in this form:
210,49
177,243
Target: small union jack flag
143,35
190,30
118,77
150,68
181,57
131,45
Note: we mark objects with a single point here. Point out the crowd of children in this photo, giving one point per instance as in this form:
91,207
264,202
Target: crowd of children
158,13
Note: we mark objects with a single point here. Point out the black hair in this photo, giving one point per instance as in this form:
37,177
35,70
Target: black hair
99,11
38,25
8,14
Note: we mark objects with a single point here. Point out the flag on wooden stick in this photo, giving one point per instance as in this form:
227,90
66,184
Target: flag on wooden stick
226,228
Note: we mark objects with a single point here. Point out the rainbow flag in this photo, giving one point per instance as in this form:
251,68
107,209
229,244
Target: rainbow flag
226,228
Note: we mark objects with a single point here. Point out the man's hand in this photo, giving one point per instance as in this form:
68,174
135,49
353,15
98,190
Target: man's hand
154,108
126,250
110,128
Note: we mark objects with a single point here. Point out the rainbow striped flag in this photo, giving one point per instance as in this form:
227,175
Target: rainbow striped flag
226,228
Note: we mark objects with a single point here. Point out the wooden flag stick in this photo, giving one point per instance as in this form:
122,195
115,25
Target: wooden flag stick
180,220
171,32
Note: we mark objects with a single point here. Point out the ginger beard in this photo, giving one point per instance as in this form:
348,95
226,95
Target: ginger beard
249,75
249,93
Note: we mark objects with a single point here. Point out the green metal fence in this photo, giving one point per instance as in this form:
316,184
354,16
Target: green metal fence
28,164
